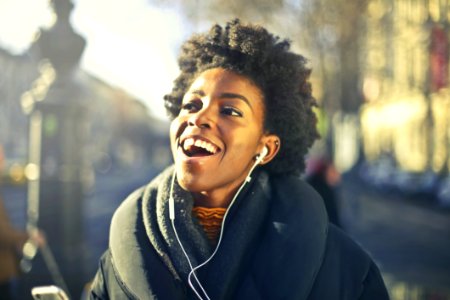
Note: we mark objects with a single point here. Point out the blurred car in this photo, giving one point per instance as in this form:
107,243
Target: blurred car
443,192
420,183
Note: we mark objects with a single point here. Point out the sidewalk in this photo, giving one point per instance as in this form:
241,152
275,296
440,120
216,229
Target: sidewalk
409,240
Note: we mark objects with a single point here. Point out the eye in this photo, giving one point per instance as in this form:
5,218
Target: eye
191,106
231,111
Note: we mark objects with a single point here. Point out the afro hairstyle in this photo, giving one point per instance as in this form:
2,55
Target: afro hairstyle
250,50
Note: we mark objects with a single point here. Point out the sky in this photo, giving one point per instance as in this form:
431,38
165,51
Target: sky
121,41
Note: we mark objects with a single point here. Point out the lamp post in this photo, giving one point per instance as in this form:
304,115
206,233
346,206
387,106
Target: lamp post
58,135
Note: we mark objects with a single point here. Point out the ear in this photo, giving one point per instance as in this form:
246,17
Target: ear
272,142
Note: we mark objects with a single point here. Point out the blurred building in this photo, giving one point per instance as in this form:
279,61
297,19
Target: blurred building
123,134
405,120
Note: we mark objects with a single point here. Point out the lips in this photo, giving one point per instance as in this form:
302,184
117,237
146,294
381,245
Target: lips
195,146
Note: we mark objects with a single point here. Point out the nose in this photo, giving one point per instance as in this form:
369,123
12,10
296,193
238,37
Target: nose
203,118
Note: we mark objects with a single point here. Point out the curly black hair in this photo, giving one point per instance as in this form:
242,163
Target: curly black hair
251,51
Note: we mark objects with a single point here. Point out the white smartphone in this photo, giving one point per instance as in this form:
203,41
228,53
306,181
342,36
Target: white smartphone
50,292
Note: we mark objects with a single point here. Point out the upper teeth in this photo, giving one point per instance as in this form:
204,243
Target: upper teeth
189,142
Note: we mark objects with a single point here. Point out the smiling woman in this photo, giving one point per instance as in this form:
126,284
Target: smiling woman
230,219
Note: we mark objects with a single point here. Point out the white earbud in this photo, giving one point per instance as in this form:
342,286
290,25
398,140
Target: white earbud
265,151
263,154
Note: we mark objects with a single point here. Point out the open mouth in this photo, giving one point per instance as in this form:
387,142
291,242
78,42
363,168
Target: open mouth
196,147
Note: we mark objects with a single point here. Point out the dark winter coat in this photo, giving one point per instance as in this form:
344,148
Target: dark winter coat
277,244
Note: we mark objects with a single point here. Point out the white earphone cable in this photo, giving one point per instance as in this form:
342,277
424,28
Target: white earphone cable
190,265
172,218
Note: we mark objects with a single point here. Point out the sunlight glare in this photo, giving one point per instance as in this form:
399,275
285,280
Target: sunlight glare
20,20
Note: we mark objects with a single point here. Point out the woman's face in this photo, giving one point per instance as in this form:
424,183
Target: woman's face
217,133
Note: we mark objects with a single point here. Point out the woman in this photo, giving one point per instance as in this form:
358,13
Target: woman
231,219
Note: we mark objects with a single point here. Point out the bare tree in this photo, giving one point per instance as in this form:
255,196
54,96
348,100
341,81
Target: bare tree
333,30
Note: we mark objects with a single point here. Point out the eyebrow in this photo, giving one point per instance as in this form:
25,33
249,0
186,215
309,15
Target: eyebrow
226,95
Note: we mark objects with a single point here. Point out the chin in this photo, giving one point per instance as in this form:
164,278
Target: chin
191,184
189,181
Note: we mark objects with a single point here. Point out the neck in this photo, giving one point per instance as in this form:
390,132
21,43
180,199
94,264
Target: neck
216,198
220,197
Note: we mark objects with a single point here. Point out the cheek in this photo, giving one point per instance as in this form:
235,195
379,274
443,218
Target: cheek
243,150
174,127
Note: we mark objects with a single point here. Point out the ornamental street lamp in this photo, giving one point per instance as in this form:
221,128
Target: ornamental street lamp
58,134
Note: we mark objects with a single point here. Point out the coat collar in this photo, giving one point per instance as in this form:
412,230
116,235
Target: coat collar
297,234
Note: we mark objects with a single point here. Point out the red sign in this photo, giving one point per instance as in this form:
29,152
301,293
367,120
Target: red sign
438,58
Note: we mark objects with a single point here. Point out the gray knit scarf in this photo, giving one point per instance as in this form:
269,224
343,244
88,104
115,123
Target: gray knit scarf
242,229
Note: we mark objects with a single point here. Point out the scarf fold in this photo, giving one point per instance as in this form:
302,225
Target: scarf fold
159,228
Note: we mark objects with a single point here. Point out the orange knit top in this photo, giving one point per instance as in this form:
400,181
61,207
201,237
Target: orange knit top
211,220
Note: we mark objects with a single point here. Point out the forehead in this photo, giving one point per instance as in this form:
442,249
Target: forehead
220,80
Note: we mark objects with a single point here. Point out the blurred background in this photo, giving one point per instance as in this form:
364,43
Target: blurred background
82,122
